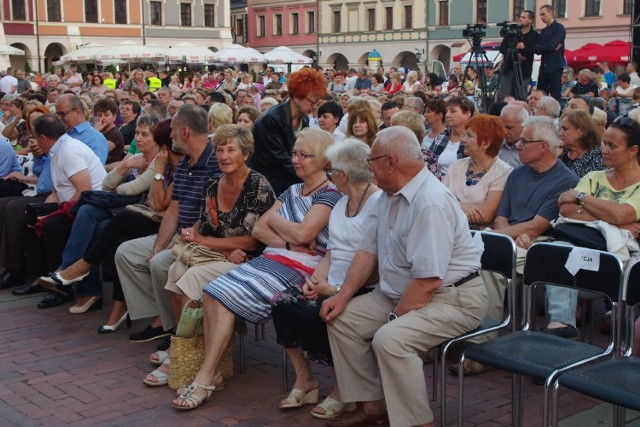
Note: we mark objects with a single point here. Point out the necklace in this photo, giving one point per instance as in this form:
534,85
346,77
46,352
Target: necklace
364,193
313,189
474,178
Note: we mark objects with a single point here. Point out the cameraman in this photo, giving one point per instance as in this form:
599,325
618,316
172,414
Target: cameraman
525,46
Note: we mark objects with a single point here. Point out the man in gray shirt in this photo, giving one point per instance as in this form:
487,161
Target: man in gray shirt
420,244
512,117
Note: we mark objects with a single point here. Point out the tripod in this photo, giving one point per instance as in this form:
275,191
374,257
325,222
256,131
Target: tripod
479,55
512,58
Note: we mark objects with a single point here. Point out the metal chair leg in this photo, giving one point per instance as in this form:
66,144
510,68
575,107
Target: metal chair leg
461,391
242,366
285,369
434,375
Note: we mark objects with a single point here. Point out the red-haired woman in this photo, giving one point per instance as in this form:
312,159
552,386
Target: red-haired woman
274,132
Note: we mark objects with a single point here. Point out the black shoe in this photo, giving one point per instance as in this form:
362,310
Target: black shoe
29,288
164,345
54,299
568,332
149,334
9,280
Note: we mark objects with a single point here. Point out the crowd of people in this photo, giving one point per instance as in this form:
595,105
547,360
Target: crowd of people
339,204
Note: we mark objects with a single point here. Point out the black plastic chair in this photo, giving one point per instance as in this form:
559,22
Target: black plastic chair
617,380
499,256
538,354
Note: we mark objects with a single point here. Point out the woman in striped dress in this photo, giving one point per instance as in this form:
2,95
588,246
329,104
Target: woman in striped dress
296,234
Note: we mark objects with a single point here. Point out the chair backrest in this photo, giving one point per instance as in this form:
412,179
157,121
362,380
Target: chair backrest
545,262
499,253
631,292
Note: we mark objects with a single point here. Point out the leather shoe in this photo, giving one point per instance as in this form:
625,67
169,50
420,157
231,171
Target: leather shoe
54,299
470,368
358,418
9,280
29,288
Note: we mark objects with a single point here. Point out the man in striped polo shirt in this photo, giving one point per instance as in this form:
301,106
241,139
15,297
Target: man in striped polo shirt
143,264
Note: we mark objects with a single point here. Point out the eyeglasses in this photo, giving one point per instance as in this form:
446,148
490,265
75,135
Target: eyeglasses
372,159
302,156
525,141
63,114
332,170
313,103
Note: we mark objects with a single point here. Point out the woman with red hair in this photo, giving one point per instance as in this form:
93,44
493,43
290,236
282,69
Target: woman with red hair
274,132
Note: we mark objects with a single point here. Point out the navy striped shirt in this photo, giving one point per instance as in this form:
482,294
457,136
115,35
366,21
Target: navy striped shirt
188,183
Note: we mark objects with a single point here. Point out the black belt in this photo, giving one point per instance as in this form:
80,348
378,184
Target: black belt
466,279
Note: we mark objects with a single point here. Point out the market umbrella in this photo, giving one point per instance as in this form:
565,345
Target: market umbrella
133,52
615,52
6,49
284,55
239,54
85,54
188,53
587,47
489,46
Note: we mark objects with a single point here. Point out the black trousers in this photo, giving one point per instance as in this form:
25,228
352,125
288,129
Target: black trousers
122,227
44,254
12,230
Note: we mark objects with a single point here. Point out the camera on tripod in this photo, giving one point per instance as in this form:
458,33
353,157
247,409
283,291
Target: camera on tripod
475,31
509,30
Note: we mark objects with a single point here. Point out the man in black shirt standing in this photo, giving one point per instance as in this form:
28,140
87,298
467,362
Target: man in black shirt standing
525,54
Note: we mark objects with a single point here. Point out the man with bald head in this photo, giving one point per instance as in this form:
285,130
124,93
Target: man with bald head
419,243
70,109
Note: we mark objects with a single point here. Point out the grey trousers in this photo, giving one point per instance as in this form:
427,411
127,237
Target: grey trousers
361,336
143,281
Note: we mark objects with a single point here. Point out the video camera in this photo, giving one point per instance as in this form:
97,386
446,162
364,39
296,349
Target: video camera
509,30
475,31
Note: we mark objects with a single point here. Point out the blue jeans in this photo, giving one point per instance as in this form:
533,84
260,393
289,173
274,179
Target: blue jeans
88,222
561,304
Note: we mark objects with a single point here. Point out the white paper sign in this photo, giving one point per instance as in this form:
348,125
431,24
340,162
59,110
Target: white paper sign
582,259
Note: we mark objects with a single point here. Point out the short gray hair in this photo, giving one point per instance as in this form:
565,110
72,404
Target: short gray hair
520,112
417,103
193,117
545,128
148,120
550,105
350,156
401,141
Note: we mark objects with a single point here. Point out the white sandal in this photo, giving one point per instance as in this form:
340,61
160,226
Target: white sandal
193,401
161,377
297,398
162,356
332,408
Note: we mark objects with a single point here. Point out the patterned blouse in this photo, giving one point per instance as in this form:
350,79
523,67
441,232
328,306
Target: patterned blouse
255,198
589,162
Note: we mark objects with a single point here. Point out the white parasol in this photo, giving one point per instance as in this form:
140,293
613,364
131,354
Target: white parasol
284,55
132,51
85,54
186,52
239,54
6,49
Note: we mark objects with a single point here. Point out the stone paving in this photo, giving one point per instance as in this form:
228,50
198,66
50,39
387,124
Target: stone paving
55,370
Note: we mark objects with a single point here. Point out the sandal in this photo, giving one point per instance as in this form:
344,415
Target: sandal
161,377
219,386
189,397
162,356
332,408
297,398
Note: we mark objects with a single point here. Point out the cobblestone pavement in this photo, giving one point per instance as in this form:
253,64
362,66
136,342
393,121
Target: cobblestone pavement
55,370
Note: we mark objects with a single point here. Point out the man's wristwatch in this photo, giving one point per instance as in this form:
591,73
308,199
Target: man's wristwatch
392,316
580,201
337,287
158,177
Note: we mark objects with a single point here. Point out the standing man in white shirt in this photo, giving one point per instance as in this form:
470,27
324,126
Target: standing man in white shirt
9,84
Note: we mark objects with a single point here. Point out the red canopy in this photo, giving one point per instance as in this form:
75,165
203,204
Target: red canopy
617,51
586,48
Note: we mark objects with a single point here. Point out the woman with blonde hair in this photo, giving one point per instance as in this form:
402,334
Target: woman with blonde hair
219,114
411,83
295,230
395,85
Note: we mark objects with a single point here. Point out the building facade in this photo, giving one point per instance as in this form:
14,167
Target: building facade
349,30
595,21
48,29
274,23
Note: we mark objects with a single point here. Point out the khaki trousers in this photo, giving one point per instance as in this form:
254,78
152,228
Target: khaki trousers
361,335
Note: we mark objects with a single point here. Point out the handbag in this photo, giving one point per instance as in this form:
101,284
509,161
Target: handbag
104,199
146,212
580,235
187,352
194,254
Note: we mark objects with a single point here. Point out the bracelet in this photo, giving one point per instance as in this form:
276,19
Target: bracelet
286,245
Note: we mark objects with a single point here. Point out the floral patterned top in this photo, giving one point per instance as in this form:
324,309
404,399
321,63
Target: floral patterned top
255,198
588,162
